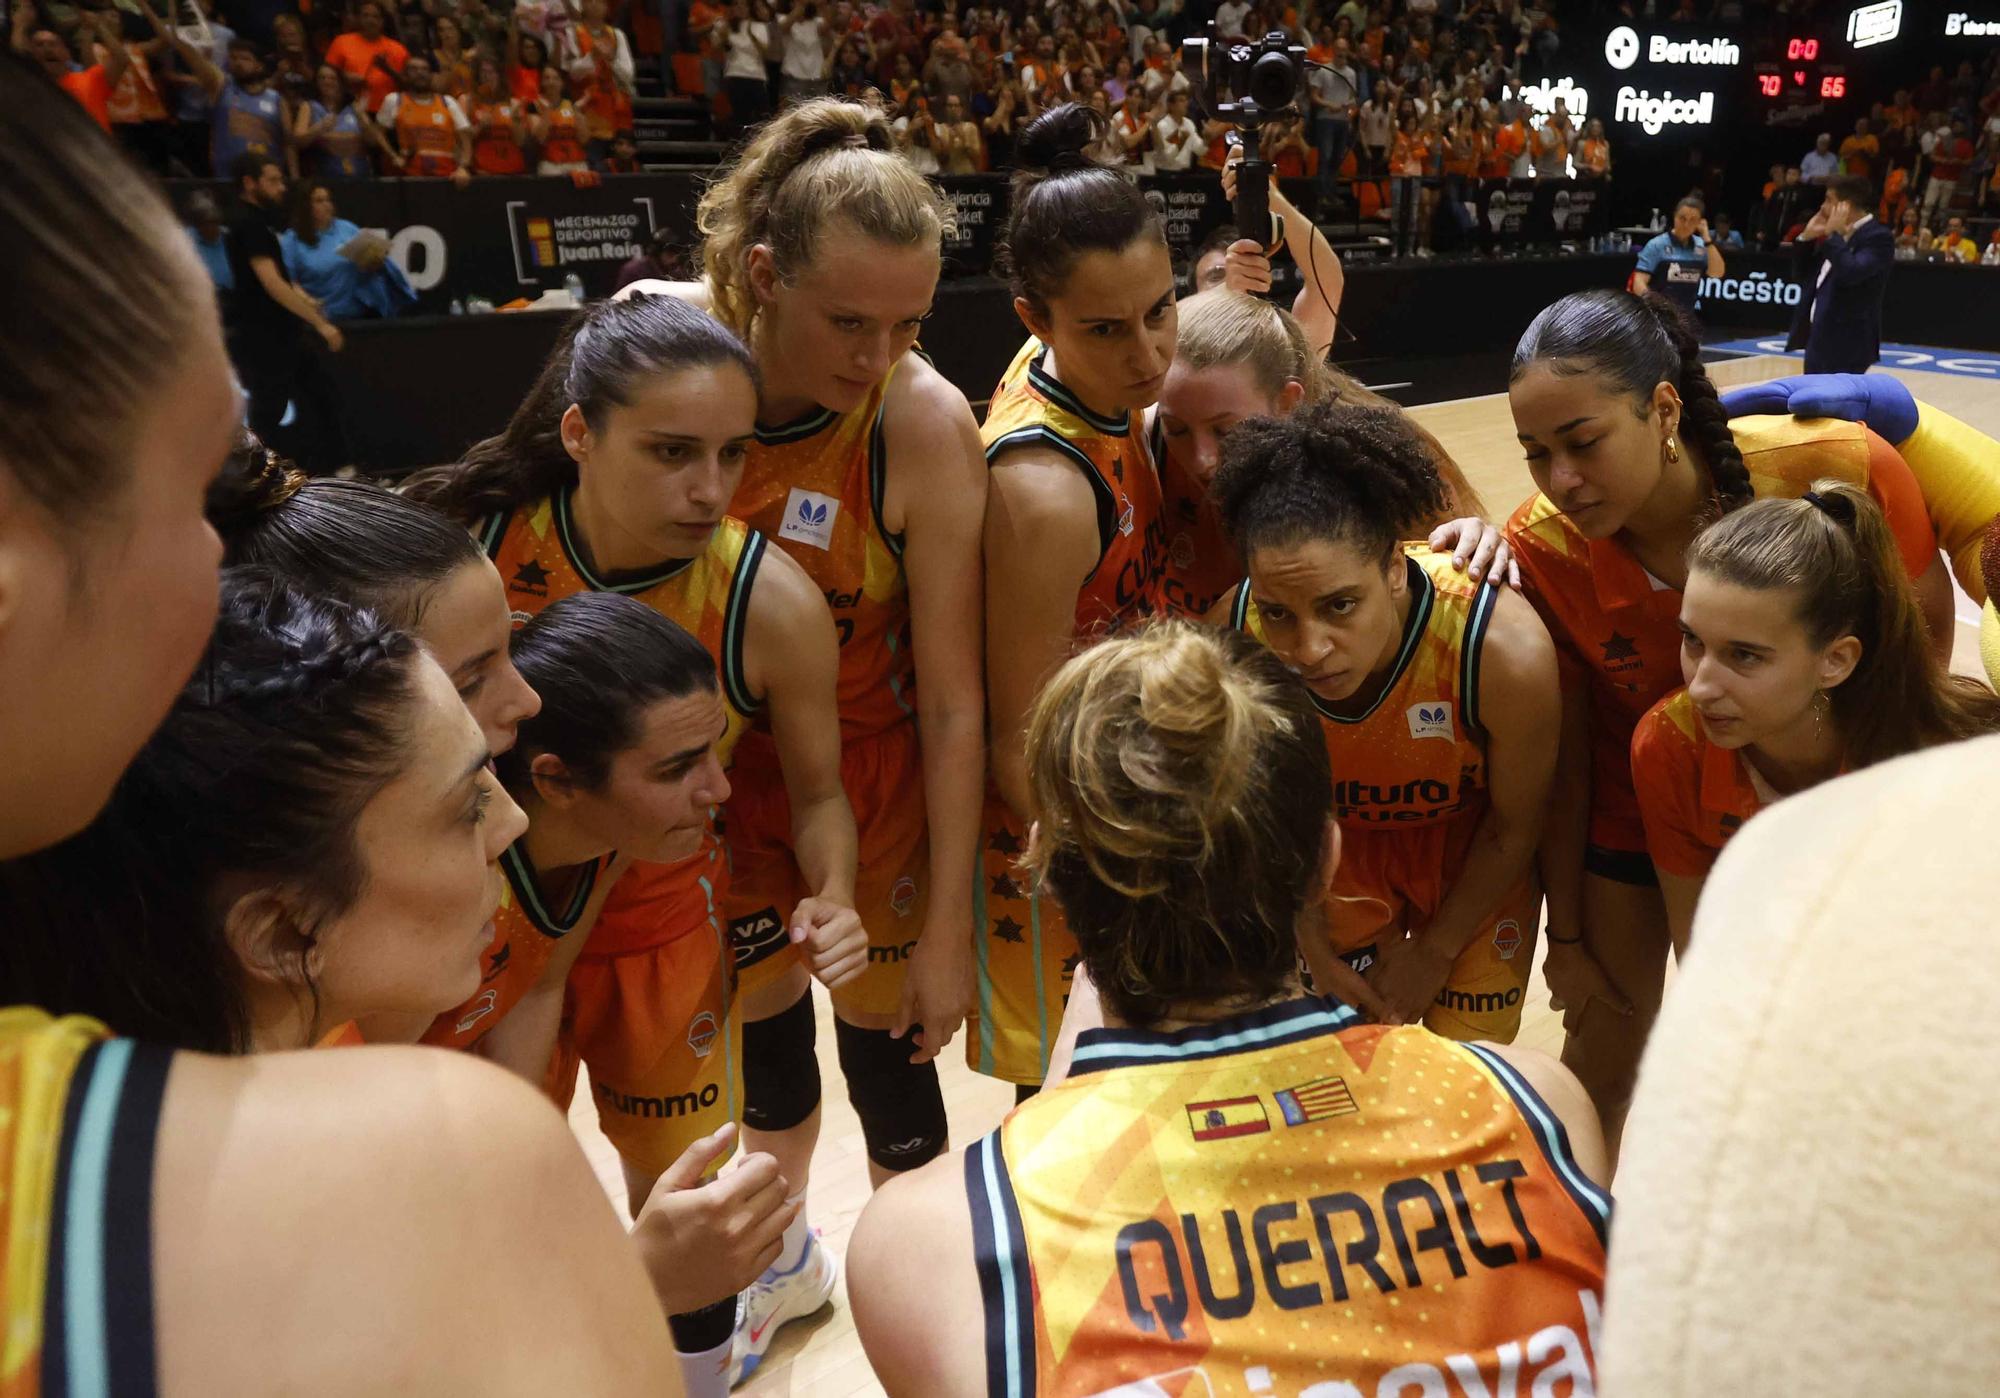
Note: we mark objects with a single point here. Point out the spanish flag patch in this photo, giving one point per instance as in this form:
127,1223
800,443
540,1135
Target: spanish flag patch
1226,1117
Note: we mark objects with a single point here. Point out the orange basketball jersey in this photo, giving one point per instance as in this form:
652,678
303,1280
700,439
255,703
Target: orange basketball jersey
1619,627
1125,587
525,933
426,134
1202,562
815,488
1693,795
536,551
1284,1203
1417,755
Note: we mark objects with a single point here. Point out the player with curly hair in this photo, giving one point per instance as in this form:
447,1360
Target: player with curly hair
1438,697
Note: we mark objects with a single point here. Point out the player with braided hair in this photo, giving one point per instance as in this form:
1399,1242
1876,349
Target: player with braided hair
1438,698
1633,453
313,829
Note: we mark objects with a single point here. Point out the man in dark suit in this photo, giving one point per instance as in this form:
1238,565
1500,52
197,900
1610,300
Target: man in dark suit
1842,332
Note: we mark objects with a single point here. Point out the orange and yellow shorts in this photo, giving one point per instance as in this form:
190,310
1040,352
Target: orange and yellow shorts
1392,881
883,776
649,1010
1024,957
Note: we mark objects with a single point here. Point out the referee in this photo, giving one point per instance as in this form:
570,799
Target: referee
1674,262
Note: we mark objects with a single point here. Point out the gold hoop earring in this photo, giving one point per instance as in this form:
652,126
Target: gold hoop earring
1673,451
1820,707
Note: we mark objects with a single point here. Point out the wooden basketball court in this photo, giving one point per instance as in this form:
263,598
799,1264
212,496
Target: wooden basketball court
822,1356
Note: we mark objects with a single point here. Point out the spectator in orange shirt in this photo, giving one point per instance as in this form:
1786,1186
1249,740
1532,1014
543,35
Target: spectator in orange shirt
1858,152
524,75
1409,162
1494,162
368,58
499,123
1511,141
90,86
1593,156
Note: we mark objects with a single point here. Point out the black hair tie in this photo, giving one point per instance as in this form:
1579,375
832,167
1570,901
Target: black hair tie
1836,508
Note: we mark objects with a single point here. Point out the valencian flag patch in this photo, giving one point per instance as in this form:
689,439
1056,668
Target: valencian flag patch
1315,1101
1226,1117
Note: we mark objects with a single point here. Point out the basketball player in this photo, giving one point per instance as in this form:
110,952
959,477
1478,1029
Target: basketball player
1237,357
1236,1190
615,475
419,571
118,409
822,251
1632,453
1438,698
1075,537
1805,655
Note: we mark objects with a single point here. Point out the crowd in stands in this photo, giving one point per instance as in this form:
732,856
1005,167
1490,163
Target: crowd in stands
1933,156
444,89
1423,93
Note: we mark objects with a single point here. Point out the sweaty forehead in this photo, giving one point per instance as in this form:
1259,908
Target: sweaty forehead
1121,285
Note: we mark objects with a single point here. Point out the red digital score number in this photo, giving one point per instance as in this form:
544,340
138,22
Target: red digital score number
1833,87
1802,50
1770,84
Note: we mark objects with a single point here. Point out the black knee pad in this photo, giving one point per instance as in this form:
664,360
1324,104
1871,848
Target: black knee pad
780,1070
698,1332
899,1103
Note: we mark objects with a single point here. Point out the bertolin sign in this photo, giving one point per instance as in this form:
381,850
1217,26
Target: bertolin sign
1652,114
1622,49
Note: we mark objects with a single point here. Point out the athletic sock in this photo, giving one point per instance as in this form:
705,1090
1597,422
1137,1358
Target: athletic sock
706,1375
793,1249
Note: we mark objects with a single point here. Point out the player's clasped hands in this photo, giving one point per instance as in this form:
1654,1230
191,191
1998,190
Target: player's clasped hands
831,940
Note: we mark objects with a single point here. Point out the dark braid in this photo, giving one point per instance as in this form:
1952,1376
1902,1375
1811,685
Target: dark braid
1638,343
256,779
1703,418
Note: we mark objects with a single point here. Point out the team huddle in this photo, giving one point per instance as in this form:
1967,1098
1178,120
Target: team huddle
1180,733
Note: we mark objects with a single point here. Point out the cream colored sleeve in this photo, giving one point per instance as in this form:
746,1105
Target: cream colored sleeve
1807,1194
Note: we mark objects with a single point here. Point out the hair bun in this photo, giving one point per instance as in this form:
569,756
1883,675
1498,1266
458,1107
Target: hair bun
1059,139
254,481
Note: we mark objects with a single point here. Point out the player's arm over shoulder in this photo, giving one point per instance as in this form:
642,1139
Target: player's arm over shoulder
370,1219
1558,1087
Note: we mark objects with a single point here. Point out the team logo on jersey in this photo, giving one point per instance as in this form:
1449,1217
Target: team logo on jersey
1621,652
1225,1117
1182,551
701,1034
1507,938
809,518
532,578
1125,518
903,896
487,1002
1430,720
1315,1101
756,936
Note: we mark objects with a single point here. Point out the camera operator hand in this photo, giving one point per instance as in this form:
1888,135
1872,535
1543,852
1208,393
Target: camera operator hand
1248,266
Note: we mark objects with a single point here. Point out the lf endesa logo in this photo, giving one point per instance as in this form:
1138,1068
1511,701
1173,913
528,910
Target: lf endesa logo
1654,114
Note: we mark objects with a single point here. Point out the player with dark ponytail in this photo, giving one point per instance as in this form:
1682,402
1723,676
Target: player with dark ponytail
372,548
1439,703
1075,539
1633,453
1805,655
137,1172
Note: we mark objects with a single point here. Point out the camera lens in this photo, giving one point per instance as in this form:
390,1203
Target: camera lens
1274,81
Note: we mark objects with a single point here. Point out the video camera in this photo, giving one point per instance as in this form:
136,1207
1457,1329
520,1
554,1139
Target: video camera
1261,80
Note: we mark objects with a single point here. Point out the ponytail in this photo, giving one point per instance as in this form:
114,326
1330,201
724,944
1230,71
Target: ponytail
1066,204
1834,551
600,362
354,541
1639,343
816,162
